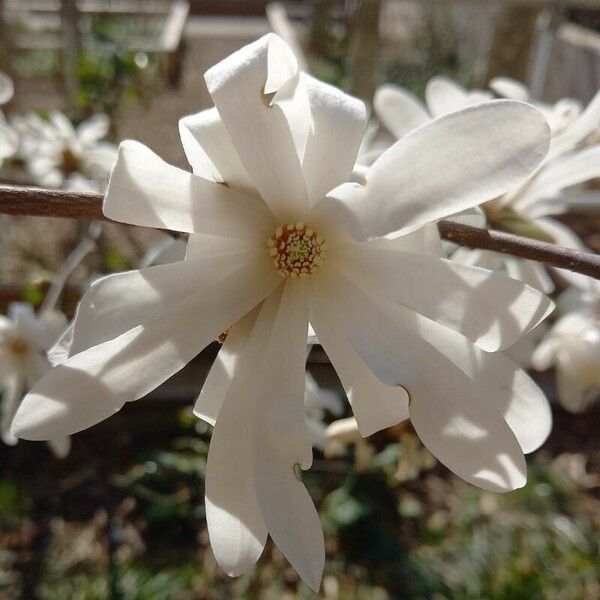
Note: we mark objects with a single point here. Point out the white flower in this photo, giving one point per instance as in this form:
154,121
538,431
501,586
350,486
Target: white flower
280,237
572,346
527,208
24,338
73,157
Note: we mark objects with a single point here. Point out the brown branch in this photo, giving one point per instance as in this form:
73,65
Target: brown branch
37,202
77,205
508,243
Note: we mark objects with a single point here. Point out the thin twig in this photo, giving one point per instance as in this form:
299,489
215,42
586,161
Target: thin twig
83,248
508,243
78,205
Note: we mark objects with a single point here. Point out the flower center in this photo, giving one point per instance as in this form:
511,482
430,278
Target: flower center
296,250
18,346
70,162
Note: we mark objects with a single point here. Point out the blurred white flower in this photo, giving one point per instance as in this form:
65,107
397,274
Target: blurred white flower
61,155
280,236
572,346
24,339
527,209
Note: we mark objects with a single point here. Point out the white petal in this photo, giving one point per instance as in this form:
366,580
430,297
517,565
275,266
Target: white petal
201,245
565,236
447,379
282,442
240,86
9,140
63,125
528,414
116,303
222,371
472,442
446,166
210,152
338,123
144,190
561,173
488,308
399,110
7,88
12,388
586,124
94,384
530,272
445,96
93,129
509,88
375,405
60,446
164,251
235,524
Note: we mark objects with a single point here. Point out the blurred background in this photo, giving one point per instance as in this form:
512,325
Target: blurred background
122,516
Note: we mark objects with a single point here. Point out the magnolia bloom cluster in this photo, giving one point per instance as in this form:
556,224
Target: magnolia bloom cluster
572,346
24,339
281,235
526,209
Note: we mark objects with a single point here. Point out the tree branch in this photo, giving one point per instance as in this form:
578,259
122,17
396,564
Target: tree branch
77,205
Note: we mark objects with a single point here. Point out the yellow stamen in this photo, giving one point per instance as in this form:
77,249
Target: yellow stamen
296,250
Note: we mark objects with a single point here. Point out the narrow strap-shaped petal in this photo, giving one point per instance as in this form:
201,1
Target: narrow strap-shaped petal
93,129
399,110
121,301
220,376
512,89
282,443
456,407
445,96
488,308
532,273
246,88
375,405
565,236
446,166
338,124
587,122
144,190
210,152
561,173
235,524
60,446
12,387
94,384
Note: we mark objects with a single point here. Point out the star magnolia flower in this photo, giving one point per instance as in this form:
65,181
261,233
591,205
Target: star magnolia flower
280,236
526,209
572,346
75,158
24,338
